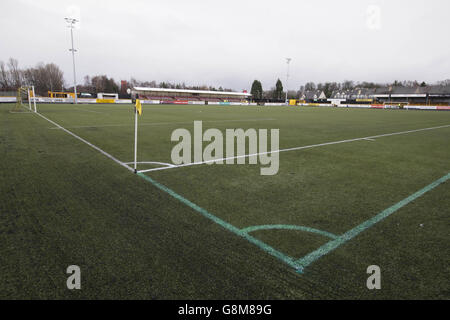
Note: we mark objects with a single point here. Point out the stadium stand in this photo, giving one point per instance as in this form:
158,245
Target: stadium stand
171,95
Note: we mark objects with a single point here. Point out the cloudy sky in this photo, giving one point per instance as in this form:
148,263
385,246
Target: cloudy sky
230,43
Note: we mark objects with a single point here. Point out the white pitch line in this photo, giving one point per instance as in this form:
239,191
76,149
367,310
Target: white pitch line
87,142
162,123
295,148
151,162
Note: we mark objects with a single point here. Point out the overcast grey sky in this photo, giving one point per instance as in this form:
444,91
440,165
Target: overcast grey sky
231,43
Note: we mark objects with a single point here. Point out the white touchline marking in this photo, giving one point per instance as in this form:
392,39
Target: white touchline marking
87,142
162,123
369,139
295,148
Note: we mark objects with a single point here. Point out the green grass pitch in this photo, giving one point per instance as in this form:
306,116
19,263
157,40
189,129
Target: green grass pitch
63,203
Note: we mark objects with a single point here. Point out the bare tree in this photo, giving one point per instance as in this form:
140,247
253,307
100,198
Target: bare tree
54,75
15,72
310,86
87,81
44,77
4,77
348,85
444,83
102,83
134,83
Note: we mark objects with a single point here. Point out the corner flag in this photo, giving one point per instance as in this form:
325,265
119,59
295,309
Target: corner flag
136,113
138,107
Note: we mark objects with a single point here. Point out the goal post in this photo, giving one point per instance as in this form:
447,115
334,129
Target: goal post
33,97
25,99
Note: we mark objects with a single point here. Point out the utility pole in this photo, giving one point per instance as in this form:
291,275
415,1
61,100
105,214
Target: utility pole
288,60
71,25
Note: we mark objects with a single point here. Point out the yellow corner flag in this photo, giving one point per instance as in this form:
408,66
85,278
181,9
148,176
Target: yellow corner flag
138,106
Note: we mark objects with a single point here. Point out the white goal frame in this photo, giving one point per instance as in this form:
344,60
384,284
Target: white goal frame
31,95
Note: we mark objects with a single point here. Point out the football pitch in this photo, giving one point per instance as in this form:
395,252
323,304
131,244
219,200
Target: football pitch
355,188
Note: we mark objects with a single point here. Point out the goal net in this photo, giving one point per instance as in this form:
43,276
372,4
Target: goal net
25,101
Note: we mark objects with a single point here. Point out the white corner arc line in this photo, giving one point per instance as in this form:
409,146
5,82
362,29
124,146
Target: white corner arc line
295,148
151,162
87,142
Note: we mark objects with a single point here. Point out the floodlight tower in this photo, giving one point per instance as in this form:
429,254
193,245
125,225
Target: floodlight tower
71,24
288,60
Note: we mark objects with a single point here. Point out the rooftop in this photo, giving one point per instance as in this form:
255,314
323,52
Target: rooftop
224,93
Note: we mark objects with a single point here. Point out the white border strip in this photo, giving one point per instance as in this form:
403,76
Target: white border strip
295,148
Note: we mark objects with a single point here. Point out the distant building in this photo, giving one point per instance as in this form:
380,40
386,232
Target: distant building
438,95
185,95
123,86
313,96
430,95
107,96
354,95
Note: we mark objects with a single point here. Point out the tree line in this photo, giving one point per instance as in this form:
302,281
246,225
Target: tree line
49,77
276,93
329,87
44,77
169,85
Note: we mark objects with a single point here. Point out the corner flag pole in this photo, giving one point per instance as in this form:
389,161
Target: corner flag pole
135,138
137,111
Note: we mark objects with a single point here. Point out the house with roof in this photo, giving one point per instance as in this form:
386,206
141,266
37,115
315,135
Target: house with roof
357,95
313,96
